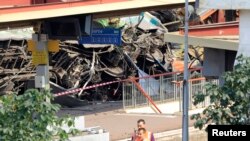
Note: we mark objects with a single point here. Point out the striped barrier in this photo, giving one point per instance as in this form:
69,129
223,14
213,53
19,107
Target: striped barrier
68,92
86,88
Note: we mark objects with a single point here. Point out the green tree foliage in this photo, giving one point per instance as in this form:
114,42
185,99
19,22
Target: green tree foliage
230,103
29,117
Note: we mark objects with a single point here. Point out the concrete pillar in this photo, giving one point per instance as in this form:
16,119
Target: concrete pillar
244,45
42,68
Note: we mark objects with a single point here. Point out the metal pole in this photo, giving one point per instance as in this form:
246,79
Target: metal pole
185,136
41,59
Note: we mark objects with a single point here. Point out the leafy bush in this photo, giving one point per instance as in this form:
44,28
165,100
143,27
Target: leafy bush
230,103
27,118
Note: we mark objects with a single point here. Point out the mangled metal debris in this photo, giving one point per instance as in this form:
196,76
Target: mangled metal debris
78,66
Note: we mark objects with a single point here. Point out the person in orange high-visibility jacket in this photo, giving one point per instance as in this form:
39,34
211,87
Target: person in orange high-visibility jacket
147,135
142,135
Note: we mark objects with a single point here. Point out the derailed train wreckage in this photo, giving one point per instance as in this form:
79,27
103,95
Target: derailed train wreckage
77,66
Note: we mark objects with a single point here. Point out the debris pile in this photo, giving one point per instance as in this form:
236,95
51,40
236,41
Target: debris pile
78,66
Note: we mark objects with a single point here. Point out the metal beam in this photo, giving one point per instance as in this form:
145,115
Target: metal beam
135,11
10,16
217,29
204,42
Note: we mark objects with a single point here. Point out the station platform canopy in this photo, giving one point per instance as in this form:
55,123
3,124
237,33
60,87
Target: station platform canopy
24,15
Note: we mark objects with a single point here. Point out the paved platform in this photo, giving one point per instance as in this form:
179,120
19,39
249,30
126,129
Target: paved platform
120,124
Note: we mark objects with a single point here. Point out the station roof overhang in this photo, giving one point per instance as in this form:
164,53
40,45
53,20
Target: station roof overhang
27,15
215,42
223,36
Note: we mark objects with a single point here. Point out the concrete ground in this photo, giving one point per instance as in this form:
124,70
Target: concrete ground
120,125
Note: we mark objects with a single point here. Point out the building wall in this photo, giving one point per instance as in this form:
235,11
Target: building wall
28,2
214,62
14,2
38,1
44,1
51,1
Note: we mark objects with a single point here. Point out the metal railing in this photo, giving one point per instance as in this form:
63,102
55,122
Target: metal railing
195,86
162,89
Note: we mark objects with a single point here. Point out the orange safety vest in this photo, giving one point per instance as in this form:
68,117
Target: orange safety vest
136,138
148,136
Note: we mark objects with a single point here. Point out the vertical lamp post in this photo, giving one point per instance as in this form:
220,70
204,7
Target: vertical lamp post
185,104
